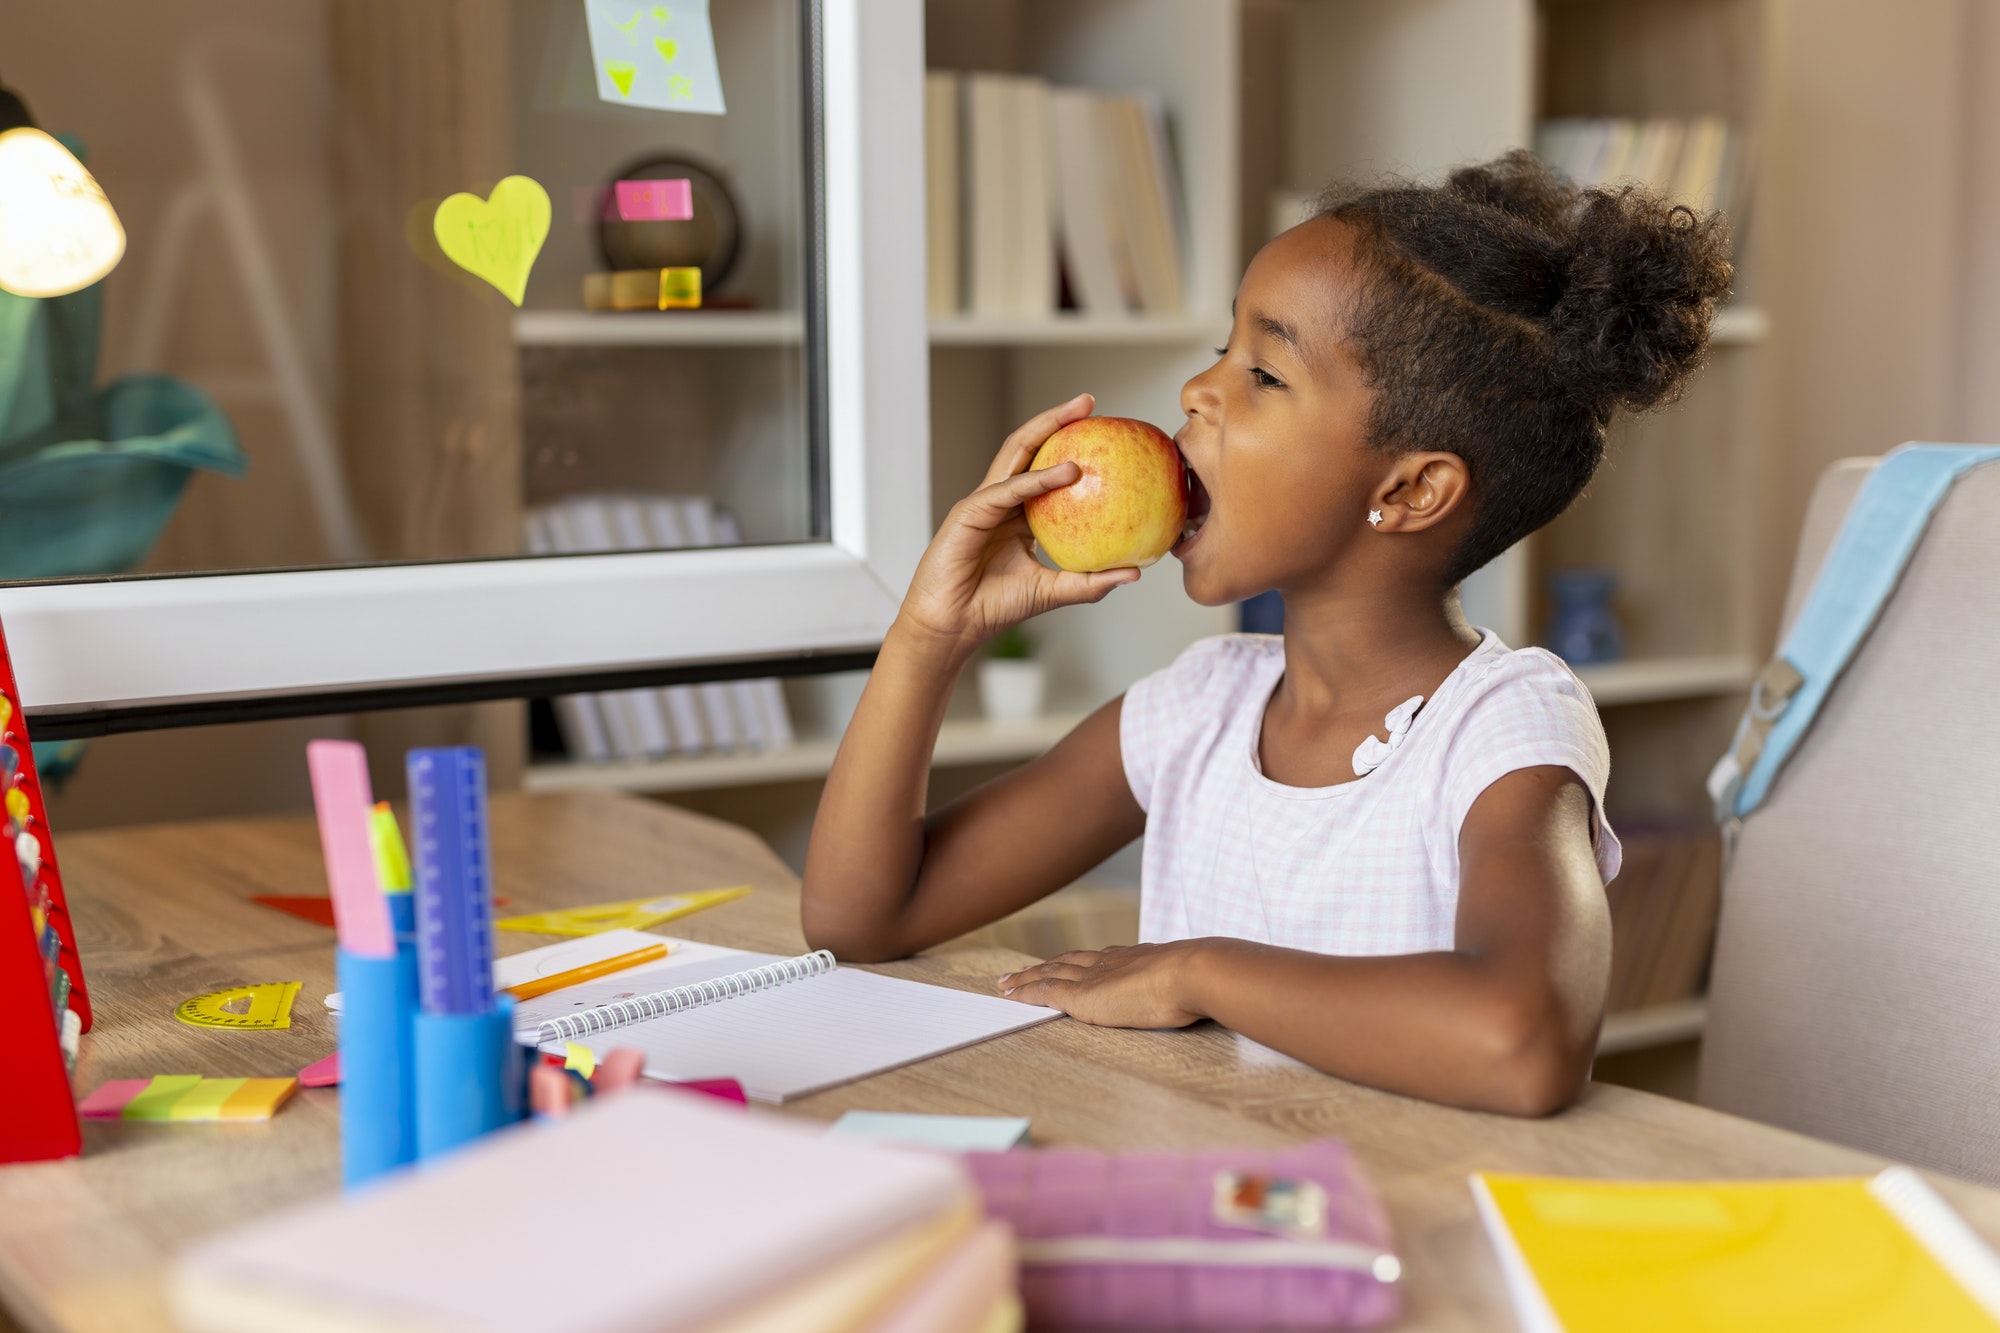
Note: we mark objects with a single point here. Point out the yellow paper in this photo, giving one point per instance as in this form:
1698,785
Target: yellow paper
499,237
580,1058
632,914
263,1007
1798,1256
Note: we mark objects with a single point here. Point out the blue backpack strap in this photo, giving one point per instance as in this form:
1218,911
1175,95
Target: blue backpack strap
1876,539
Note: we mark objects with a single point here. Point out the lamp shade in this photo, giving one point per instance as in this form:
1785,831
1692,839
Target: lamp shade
58,232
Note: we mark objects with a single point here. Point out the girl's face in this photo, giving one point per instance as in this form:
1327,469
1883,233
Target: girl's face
1276,429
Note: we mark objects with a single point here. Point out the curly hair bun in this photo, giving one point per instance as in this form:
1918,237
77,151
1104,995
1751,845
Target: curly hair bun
1639,292
1508,315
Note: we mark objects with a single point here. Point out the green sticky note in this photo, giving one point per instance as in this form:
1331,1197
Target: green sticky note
204,1100
157,1101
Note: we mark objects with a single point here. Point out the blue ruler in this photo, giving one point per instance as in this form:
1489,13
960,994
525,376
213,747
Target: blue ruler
454,880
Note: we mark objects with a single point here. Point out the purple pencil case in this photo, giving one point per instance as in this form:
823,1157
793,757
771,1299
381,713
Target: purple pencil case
1249,1238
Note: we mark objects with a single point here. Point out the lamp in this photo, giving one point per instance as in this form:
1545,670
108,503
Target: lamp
58,232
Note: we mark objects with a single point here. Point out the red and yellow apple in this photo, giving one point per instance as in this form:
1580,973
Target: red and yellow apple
1128,506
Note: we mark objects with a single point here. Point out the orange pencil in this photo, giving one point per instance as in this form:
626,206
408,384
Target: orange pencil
528,990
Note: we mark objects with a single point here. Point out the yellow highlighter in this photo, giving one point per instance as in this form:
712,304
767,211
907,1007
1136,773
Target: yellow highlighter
392,859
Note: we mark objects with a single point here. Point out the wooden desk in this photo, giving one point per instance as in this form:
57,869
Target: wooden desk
162,915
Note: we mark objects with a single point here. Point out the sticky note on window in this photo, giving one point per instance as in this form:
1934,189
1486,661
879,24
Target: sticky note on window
947,1133
657,56
655,201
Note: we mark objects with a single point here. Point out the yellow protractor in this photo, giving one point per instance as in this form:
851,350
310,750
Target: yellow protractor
249,1008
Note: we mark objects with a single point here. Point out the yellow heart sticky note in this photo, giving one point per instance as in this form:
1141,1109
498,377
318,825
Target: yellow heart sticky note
621,73
499,237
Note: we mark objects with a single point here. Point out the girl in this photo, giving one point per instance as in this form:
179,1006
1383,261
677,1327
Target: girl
1375,843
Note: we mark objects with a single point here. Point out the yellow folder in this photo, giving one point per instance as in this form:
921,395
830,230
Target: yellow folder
1830,1256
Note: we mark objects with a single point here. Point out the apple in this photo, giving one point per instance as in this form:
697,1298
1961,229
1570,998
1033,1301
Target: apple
1128,506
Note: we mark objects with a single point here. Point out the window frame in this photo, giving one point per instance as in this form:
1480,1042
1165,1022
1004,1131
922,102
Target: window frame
92,654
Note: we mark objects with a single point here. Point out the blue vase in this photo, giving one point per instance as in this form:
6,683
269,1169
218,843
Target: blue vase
1582,629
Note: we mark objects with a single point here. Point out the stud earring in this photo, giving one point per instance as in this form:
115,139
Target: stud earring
1374,518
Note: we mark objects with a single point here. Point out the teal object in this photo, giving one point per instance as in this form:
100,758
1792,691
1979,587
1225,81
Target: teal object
88,478
1876,540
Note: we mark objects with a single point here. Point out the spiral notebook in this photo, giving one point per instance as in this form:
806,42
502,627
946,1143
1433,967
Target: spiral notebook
782,1027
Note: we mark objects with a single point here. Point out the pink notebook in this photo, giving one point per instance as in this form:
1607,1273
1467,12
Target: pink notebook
650,1210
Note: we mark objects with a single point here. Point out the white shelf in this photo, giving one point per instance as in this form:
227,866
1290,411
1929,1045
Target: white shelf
1739,326
1073,330
658,328
960,741
1660,1025
1659,679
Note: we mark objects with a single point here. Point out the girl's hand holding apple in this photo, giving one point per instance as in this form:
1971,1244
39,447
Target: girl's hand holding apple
980,574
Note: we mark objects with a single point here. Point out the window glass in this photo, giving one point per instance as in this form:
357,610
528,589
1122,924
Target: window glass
354,281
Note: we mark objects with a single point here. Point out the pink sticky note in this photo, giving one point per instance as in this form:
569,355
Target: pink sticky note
321,1073
342,800
108,1102
655,201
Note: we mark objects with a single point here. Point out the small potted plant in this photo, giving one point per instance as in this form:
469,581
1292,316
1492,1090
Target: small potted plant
1011,681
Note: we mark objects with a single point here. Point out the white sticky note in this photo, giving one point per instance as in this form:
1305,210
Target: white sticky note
656,56
948,1133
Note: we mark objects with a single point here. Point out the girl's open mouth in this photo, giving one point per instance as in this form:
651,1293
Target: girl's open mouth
1197,510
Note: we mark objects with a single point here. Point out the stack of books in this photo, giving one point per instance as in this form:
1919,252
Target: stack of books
651,1209
1700,161
1040,198
637,725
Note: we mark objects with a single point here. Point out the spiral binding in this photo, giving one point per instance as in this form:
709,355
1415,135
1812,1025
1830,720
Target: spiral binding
680,999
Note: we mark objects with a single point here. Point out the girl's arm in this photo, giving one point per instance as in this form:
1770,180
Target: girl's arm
881,879
1506,1021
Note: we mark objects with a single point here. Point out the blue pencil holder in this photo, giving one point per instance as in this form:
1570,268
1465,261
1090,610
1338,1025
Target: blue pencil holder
469,1076
378,1123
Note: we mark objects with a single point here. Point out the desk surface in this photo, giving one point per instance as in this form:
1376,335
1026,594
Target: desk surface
162,914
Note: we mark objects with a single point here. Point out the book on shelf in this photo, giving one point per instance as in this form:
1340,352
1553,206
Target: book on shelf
1058,195
1699,161
649,723
941,226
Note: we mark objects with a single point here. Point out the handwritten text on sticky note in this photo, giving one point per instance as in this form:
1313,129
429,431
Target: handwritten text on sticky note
499,237
655,201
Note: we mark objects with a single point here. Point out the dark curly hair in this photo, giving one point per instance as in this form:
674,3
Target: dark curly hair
1506,314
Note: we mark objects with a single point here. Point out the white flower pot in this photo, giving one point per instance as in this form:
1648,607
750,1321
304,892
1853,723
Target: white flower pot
1011,690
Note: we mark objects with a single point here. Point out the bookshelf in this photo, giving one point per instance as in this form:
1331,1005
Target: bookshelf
706,328
975,740
1069,329
961,741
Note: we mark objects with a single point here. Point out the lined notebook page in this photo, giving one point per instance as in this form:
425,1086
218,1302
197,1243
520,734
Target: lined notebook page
801,1037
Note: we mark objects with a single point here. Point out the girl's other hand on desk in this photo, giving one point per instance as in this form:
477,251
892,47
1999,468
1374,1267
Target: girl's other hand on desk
1136,986
980,574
